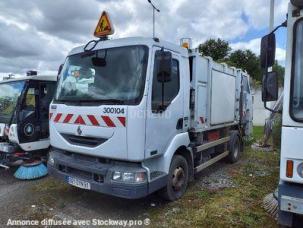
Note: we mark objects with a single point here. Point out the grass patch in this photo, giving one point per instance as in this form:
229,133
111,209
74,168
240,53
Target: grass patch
258,132
241,206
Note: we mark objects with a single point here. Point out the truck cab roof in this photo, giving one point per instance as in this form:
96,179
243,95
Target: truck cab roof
52,78
133,41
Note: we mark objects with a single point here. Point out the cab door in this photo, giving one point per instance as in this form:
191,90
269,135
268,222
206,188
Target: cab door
46,93
27,114
33,122
163,125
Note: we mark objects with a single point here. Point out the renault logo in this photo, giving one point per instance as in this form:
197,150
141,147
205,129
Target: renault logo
79,130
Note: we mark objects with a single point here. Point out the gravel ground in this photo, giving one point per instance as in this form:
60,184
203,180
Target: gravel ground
50,199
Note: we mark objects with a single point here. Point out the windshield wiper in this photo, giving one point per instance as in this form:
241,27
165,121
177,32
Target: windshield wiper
99,101
115,101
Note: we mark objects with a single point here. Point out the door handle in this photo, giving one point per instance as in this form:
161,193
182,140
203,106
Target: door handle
179,124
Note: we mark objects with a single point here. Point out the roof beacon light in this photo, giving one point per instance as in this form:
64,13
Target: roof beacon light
104,26
186,43
31,73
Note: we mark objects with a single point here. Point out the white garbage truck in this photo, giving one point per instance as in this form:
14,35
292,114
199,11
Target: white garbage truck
290,190
133,116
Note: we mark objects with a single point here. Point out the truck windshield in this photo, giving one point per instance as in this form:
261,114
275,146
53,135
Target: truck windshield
111,76
296,103
9,94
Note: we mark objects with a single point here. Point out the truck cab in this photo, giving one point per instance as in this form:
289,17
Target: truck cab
290,190
24,110
104,116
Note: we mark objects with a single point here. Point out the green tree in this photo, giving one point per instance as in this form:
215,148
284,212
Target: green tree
248,61
217,49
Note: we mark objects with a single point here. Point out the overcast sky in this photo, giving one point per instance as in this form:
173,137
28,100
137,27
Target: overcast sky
38,34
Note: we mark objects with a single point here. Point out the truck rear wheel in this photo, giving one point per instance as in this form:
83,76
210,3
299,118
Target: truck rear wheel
177,179
234,148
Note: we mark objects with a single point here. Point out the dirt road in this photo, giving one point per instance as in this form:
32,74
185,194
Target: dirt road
50,199
223,190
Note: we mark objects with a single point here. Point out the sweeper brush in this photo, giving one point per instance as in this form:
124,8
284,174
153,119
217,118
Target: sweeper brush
31,171
270,204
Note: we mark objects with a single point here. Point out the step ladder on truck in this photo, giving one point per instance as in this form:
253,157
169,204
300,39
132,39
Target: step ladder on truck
290,189
136,115
24,122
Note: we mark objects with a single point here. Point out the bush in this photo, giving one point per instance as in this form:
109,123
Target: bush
276,131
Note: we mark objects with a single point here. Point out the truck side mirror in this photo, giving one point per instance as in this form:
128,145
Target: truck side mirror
164,60
270,88
297,3
268,51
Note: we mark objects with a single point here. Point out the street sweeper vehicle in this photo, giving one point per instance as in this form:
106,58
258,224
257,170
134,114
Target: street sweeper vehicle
290,189
24,123
136,115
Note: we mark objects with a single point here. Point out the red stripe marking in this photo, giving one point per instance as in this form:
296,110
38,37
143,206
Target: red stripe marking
68,118
50,115
80,120
108,121
122,120
56,120
93,120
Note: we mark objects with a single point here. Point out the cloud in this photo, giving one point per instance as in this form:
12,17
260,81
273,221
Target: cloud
254,46
38,34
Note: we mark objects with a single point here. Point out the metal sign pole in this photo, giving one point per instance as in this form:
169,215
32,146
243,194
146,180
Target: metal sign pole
272,15
154,19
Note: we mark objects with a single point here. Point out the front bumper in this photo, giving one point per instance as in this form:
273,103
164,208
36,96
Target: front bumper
290,202
99,175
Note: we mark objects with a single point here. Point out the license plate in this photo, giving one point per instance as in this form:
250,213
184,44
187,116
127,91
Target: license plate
78,183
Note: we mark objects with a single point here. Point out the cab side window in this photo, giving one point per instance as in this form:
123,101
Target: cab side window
171,88
30,99
47,90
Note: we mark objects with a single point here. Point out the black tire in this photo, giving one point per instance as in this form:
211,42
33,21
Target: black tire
234,148
178,179
297,221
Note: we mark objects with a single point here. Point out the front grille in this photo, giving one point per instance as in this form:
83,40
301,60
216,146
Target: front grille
84,157
81,174
83,141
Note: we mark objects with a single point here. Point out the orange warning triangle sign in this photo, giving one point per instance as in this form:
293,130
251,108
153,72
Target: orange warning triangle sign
104,26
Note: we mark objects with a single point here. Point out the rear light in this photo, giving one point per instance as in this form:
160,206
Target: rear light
289,168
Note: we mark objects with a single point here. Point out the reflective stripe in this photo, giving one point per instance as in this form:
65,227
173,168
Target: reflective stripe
56,120
108,121
89,120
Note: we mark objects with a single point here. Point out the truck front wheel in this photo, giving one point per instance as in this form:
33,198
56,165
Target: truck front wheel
177,179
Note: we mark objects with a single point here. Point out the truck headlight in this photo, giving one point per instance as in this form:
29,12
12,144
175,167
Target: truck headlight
51,159
129,177
300,170
117,176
